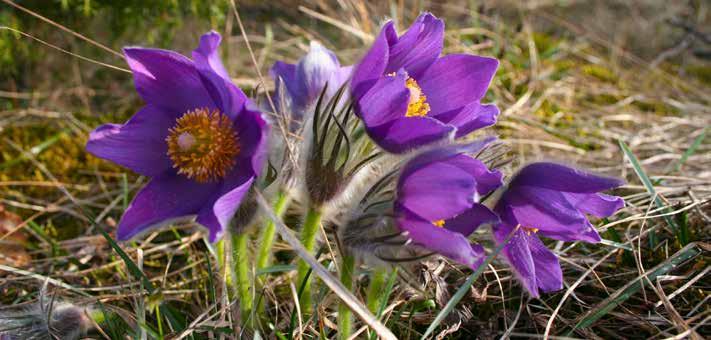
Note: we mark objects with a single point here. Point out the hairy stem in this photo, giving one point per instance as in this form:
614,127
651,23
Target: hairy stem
241,271
267,237
266,241
345,320
376,288
308,239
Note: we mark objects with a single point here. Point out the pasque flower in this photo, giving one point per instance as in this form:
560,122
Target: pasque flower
407,95
199,138
551,200
437,203
304,81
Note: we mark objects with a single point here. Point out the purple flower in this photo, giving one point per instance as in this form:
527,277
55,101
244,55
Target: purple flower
199,138
408,96
437,200
550,200
304,81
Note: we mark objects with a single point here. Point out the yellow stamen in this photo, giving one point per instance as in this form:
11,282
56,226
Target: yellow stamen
203,145
439,223
530,231
417,106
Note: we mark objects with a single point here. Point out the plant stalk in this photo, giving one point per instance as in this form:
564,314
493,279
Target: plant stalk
240,260
345,319
310,229
376,288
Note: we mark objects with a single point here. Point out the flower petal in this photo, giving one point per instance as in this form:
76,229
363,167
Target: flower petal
138,145
518,254
408,133
450,244
207,55
549,276
470,220
457,80
418,47
228,98
546,210
216,216
314,70
486,180
563,178
596,204
470,118
284,76
164,198
436,191
373,64
386,101
168,80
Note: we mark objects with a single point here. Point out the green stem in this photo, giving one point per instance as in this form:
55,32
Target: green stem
222,262
376,288
345,320
241,270
267,237
308,239
267,241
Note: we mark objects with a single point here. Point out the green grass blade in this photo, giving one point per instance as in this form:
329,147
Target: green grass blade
687,253
648,185
692,149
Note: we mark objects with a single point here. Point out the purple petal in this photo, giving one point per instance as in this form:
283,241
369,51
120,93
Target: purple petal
372,66
138,145
164,198
445,152
562,178
167,80
546,210
284,76
470,220
386,101
599,205
408,133
228,98
450,244
418,47
486,181
470,118
217,215
457,80
438,190
207,55
252,130
315,69
518,255
549,276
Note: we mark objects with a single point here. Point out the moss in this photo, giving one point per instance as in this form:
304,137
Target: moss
701,72
600,72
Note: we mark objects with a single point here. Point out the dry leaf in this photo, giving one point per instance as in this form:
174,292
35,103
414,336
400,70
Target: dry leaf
12,247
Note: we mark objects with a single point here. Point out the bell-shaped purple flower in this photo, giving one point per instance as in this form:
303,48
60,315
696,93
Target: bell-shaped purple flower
437,203
550,200
199,138
408,96
304,81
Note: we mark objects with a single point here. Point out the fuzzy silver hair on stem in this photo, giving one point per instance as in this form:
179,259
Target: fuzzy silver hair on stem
48,318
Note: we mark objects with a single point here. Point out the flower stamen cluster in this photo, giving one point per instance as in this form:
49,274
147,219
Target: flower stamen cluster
203,145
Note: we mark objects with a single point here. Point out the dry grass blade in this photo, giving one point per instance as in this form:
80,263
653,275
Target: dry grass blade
687,253
333,283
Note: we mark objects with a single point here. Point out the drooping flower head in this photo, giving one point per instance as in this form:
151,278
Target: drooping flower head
408,96
304,81
551,200
437,201
199,138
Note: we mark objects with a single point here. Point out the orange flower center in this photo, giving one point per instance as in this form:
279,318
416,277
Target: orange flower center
203,145
439,223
